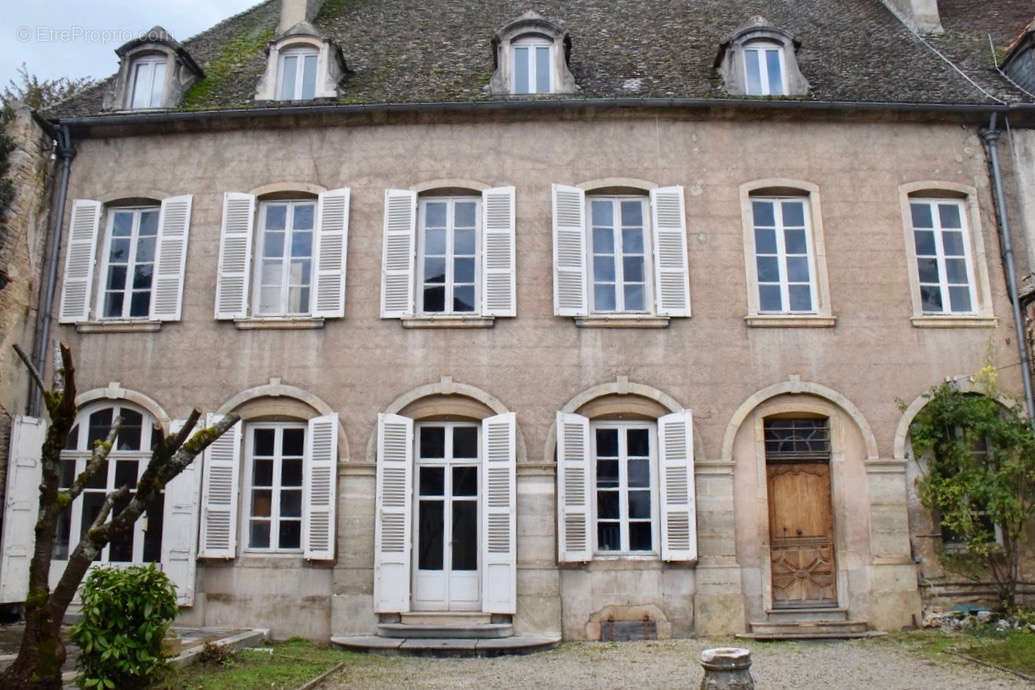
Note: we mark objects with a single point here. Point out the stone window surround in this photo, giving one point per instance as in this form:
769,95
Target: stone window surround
181,72
778,186
729,60
530,25
330,65
983,316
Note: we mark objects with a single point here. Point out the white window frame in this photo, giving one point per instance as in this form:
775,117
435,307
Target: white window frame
449,284
152,62
655,520
760,48
131,263
285,276
301,53
940,257
781,255
275,516
533,44
648,256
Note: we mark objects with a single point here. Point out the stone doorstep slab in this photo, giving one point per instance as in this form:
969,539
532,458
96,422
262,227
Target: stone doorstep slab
518,644
810,636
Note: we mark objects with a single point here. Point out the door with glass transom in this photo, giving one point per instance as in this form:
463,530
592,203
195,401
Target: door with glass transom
446,569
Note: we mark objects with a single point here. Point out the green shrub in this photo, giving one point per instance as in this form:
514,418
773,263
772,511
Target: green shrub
126,613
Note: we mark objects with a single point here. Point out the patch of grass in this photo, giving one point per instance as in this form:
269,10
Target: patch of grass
1014,650
291,664
227,65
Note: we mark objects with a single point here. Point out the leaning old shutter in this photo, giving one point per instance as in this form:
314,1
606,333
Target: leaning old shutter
24,473
392,525
179,527
219,494
171,259
569,251
498,256
320,475
499,543
235,256
678,517
331,246
397,259
574,518
82,250
671,275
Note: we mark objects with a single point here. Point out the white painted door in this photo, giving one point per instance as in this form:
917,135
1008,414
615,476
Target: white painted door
446,568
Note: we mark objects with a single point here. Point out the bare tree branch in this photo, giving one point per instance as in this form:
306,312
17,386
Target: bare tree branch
33,371
98,460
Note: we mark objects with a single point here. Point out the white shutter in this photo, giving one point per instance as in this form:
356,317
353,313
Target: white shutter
332,223
498,256
22,500
499,540
569,251
392,526
397,259
82,251
678,516
574,517
219,493
235,255
171,258
320,474
180,526
671,272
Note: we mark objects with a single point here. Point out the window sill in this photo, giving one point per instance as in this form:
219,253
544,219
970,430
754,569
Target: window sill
930,321
119,326
790,321
448,321
279,323
622,321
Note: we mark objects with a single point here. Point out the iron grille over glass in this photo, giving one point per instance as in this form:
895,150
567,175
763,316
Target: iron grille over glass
797,439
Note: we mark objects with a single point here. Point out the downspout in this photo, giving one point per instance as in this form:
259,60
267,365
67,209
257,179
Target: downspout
66,152
990,137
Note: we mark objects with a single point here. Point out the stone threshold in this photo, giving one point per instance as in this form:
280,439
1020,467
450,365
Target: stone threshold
810,635
452,647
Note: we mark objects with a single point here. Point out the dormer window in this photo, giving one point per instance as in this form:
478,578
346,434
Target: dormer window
531,57
761,60
148,82
763,69
154,72
297,74
533,65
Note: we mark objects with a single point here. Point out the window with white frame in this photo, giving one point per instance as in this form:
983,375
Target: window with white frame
284,264
943,256
625,480
763,69
784,264
619,246
129,260
126,463
448,250
148,82
297,74
532,65
275,457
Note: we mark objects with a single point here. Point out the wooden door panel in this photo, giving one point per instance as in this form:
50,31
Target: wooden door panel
801,534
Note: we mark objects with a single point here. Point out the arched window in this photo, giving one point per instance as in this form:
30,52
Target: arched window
533,65
763,69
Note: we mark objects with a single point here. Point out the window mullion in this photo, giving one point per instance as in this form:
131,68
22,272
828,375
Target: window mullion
781,257
285,271
619,250
278,459
939,248
131,265
623,489
450,256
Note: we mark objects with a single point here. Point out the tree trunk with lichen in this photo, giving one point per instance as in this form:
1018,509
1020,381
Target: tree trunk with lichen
42,652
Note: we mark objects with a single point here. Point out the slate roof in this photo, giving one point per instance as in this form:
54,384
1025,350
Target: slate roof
400,51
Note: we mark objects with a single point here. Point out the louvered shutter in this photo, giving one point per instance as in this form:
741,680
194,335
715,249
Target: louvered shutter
219,493
397,259
235,256
21,507
392,526
574,517
671,272
171,258
569,251
179,527
499,543
331,248
678,515
82,252
320,477
499,296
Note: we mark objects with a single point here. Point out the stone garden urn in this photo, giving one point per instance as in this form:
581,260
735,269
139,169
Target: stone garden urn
726,668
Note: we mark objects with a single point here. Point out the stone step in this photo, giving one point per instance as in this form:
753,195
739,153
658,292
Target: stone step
806,614
444,618
828,628
517,644
809,636
438,630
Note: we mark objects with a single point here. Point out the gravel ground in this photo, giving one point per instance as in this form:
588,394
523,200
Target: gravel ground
858,665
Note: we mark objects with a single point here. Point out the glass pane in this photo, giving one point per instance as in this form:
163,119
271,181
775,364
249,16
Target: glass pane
263,441
602,213
290,503
157,85
632,269
797,269
753,73
262,473
639,505
603,268
465,535
952,242
290,534
293,442
794,241
435,217
607,474
765,241
930,298
432,442
603,241
434,269
956,270
153,533
117,278
763,213
959,298
434,299
67,476
608,536
768,269
463,242
287,77
772,60
262,502
639,473
432,481
100,424
291,473
301,244
308,80
276,216
272,247
801,297
632,214
126,473
604,297
949,214
120,549
769,298
303,216
464,214
640,536
637,442
542,69
91,507
119,252
148,223
632,241
465,481
113,304
430,525
129,432
122,224
463,270
259,536
921,215
463,298
140,304
298,300
465,442
634,298
61,536
521,84
142,86
607,504
607,443
924,242
142,277
928,269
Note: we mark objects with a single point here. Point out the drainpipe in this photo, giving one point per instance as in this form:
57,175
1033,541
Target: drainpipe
66,152
990,137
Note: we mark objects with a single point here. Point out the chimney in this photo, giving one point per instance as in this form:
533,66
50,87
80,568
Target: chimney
919,15
295,11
